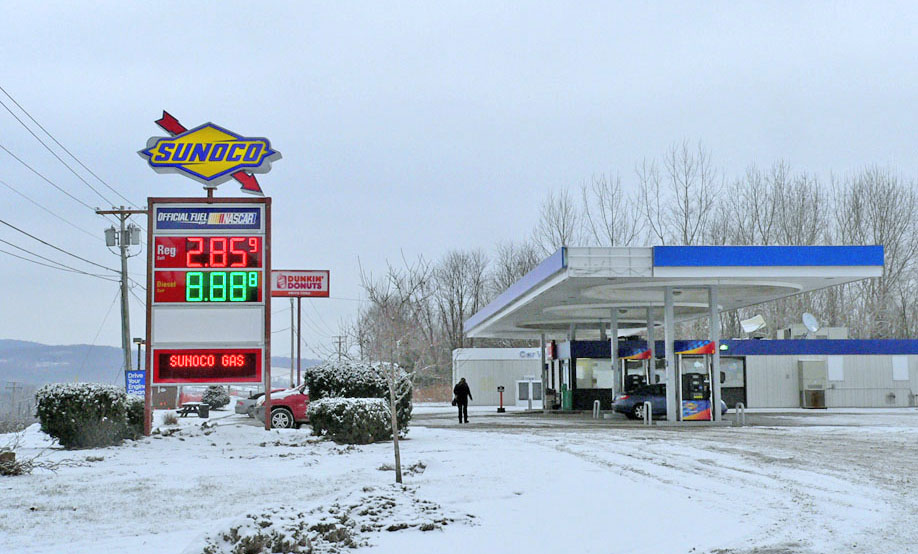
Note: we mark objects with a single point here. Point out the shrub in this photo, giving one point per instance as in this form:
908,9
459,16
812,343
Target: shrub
134,417
346,379
216,397
81,415
351,420
170,419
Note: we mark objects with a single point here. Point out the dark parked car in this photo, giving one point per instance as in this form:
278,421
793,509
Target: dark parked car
632,404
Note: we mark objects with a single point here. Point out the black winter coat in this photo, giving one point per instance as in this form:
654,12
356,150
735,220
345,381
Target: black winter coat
462,392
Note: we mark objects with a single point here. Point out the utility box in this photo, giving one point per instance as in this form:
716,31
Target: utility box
814,378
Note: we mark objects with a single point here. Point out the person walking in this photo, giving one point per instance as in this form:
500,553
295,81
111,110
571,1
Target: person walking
461,400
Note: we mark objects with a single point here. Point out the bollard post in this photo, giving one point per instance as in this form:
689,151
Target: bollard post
740,414
596,410
501,409
648,413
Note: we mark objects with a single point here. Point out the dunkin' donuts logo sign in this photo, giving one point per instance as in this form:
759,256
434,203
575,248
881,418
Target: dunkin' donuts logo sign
310,283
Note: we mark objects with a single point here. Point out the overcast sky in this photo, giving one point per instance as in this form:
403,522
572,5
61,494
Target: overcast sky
420,127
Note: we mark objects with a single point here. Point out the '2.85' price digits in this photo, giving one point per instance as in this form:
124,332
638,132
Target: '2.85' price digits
221,286
222,251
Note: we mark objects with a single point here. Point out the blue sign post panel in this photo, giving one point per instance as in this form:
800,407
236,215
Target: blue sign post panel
135,382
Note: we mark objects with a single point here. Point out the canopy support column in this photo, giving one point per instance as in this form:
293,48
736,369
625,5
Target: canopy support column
715,359
652,345
545,406
669,340
613,350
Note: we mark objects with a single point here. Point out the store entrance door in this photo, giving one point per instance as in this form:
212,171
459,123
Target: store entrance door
527,390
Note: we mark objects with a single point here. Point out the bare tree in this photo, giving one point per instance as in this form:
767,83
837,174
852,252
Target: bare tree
559,223
607,219
876,207
461,284
393,332
512,261
802,210
694,187
653,202
678,202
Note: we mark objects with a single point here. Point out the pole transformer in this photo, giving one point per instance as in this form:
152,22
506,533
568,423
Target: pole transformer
123,237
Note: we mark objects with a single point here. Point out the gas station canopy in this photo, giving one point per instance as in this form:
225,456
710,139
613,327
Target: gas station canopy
581,287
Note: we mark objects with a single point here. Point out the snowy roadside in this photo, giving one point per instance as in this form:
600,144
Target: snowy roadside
549,487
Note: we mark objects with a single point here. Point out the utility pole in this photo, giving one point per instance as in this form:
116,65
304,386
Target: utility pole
13,387
340,339
123,238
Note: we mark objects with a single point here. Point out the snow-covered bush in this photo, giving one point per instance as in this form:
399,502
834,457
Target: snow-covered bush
351,420
347,379
81,415
216,397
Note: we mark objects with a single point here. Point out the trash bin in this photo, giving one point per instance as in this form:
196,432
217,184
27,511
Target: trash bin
204,411
567,398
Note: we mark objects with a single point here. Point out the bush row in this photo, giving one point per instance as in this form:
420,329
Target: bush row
361,380
84,415
351,420
216,397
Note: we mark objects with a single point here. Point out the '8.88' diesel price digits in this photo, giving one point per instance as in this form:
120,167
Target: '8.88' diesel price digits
221,286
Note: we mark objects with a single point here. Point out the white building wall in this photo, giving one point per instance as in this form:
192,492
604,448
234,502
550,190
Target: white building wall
487,368
772,382
869,382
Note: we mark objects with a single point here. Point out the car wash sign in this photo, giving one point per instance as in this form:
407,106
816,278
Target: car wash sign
210,154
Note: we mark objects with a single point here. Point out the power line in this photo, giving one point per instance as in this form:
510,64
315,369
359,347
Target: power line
91,346
57,264
142,301
77,227
64,268
57,142
56,247
49,181
319,316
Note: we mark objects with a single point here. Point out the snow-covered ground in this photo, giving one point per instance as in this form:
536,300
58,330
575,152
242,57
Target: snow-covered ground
836,481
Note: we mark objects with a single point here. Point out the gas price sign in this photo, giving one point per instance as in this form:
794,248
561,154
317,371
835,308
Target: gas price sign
208,311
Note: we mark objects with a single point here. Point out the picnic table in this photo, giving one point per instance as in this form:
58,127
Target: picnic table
200,409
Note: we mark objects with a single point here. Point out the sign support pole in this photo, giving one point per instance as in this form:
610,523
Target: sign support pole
299,338
292,338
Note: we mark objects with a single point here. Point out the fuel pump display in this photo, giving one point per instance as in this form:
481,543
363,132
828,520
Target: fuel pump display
696,392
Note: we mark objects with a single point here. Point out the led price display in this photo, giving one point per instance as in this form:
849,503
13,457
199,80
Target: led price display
208,312
208,286
210,365
221,286
208,252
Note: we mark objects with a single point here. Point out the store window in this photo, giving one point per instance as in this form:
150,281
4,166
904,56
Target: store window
594,373
733,372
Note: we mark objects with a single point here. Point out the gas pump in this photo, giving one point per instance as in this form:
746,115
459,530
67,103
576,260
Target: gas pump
634,374
696,388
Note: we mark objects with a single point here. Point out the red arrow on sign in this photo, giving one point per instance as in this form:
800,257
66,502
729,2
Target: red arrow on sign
248,180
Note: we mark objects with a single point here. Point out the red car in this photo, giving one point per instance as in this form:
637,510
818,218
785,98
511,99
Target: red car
288,408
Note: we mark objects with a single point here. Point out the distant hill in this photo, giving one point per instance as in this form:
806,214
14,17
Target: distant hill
37,364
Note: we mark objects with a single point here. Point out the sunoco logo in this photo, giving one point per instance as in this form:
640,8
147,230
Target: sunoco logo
209,153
